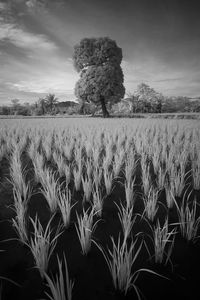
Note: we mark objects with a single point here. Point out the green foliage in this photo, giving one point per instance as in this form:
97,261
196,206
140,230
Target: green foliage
100,81
96,51
50,102
146,99
101,78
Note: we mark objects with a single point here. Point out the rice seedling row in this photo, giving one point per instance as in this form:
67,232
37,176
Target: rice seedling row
99,209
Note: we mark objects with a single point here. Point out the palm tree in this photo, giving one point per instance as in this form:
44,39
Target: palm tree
51,100
42,105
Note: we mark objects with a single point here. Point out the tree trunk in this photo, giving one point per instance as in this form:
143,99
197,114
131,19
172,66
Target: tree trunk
104,109
81,110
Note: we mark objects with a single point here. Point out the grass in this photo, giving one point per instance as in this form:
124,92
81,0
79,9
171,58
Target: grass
117,163
97,200
88,159
97,175
169,196
196,174
20,221
62,286
77,173
87,187
151,203
127,219
49,189
60,163
42,244
146,178
129,192
108,180
189,221
120,261
163,242
65,205
85,228
38,161
17,175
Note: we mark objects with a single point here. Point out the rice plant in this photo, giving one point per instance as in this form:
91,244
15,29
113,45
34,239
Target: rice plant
62,286
47,146
118,161
188,219
126,218
130,193
130,166
88,148
77,173
97,175
97,200
146,179
161,178
49,189
196,174
96,154
2,151
67,172
151,203
38,163
88,167
169,193
120,261
163,242
109,153
107,161
60,163
177,179
17,175
33,148
156,159
108,180
65,205
87,187
85,229
67,149
20,222
42,244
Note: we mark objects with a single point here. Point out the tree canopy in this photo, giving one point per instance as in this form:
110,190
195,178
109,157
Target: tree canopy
146,99
101,77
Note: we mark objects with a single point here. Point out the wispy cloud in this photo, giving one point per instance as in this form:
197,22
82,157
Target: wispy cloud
54,83
10,33
34,4
38,78
171,81
3,6
160,43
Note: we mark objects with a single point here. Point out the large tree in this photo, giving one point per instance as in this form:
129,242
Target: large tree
101,78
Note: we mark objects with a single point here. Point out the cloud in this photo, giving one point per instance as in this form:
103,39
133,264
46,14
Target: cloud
34,5
3,6
59,82
31,3
24,39
165,78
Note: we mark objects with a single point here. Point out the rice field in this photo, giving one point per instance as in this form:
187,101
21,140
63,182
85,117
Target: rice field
99,209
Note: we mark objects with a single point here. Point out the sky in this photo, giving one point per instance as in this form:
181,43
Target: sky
160,41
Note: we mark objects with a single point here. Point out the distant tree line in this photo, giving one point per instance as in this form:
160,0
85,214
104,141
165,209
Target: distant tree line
48,105
147,100
143,100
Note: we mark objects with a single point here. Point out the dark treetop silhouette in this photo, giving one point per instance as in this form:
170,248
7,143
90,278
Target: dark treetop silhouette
101,78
